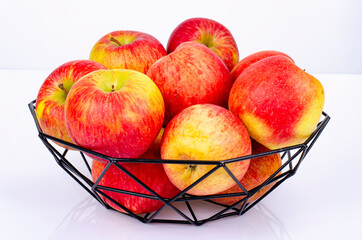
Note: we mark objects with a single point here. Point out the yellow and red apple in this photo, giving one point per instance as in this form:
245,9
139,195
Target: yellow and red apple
253,58
117,112
53,93
192,74
151,174
208,32
279,103
260,169
127,50
154,152
205,132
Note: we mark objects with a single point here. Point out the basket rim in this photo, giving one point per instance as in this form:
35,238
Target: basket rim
320,126
291,164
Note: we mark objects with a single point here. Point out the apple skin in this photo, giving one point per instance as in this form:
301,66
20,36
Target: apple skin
116,112
127,50
210,33
260,169
253,58
53,92
205,132
279,103
152,174
192,74
154,152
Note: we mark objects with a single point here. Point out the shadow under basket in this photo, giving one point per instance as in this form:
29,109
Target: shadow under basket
183,208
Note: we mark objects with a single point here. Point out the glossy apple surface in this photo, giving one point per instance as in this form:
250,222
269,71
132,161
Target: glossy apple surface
209,32
115,112
260,169
253,58
151,174
192,74
154,152
205,132
279,103
53,92
127,50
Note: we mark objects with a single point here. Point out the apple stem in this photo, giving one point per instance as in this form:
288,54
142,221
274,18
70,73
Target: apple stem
61,86
192,167
112,39
112,88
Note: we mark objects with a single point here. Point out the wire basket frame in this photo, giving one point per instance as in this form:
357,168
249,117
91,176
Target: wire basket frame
183,205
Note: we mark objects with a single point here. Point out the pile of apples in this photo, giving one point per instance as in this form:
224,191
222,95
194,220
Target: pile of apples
195,101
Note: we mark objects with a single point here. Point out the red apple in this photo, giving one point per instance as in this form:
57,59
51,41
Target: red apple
279,103
260,169
127,50
114,112
251,59
151,174
192,74
210,33
154,152
53,92
205,132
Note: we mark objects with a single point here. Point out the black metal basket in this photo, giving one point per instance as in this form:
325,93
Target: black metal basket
183,206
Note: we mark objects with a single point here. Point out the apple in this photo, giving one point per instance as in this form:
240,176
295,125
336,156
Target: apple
154,152
279,103
208,32
151,174
260,169
251,59
127,50
115,112
192,74
53,92
205,132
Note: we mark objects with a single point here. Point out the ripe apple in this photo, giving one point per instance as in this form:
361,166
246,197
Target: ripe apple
279,103
53,92
192,74
151,174
127,50
251,59
116,112
260,169
154,152
205,132
210,33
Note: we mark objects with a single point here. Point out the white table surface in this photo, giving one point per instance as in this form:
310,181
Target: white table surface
38,200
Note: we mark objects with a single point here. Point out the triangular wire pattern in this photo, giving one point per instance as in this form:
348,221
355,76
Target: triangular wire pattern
182,208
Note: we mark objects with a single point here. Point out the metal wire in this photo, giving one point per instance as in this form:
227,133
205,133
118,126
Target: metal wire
292,157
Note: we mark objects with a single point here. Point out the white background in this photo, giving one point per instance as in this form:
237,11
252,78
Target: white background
38,200
322,36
